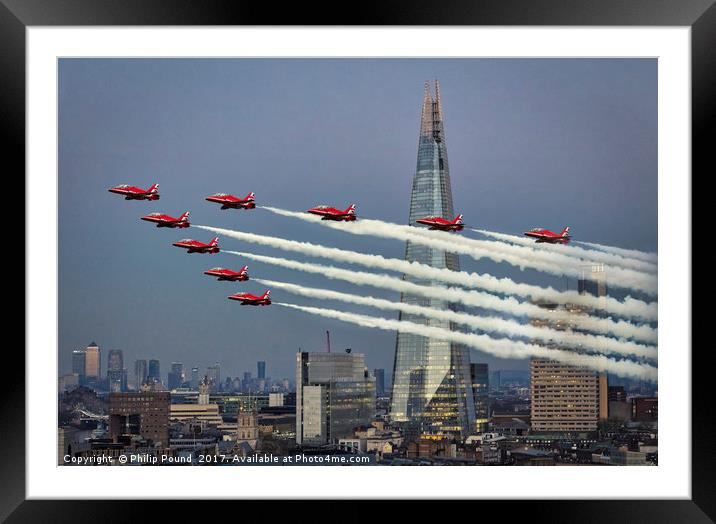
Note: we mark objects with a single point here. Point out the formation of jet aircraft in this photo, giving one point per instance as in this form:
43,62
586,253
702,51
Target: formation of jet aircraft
229,201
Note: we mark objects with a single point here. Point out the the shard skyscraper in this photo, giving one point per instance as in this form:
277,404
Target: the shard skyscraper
432,391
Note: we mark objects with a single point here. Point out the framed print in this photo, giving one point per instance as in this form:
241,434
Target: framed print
246,249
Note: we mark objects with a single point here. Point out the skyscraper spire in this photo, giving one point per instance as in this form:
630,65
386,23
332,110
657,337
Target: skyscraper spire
438,104
426,117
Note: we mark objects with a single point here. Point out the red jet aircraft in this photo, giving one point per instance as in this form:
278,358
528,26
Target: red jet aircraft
226,274
230,201
550,237
136,193
162,220
331,213
247,299
194,246
442,224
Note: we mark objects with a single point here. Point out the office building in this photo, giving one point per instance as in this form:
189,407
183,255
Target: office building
261,370
143,413
195,378
92,362
214,375
379,375
140,373
204,414
153,371
175,377
431,389
568,398
480,377
563,398
334,395
116,374
594,282
78,363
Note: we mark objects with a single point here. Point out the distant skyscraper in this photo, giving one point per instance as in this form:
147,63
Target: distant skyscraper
78,363
431,392
153,371
175,378
261,369
214,374
379,375
92,362
594,282
140,373
334,395
481,393
116,375
194,378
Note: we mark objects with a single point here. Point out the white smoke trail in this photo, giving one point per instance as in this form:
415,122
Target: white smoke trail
518,256
502,348
598,343
470,298
574,251
630,253
630,307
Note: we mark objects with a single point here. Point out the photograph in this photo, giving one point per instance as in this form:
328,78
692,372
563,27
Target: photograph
270,261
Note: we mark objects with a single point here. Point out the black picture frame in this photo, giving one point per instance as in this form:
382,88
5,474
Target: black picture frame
699,15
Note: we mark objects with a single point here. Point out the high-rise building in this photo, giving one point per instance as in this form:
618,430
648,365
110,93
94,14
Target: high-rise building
195,378
261,369
144,413
564,398
379,375
431,391
567,398
92,362
214,375
247,384
140,373
116,374
153,371
480,376
594,282
78,363
334,395
175,378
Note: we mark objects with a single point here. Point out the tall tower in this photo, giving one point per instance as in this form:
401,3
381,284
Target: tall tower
92,362
432,391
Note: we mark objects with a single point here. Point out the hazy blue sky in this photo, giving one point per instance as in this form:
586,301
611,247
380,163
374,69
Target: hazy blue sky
531,142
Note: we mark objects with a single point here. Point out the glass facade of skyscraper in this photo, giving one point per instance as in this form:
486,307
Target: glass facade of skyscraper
432,391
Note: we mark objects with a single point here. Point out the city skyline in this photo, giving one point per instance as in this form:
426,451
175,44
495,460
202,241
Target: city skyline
165,309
